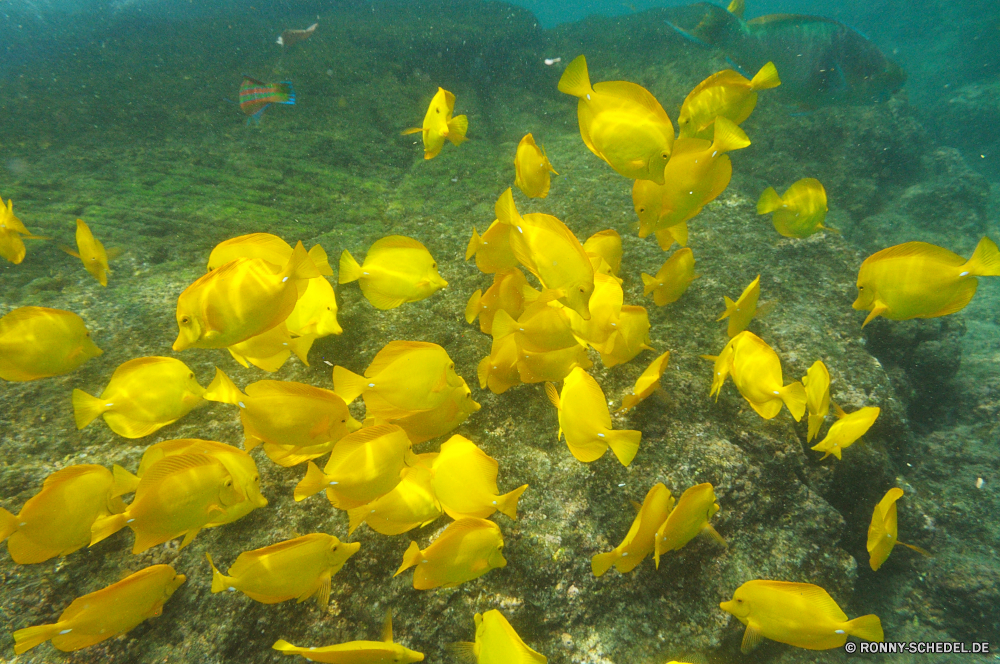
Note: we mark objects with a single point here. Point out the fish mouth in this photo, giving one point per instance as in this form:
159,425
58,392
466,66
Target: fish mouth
181,343
733,608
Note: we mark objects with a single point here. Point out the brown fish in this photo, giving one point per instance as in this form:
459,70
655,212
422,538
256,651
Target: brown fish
289,37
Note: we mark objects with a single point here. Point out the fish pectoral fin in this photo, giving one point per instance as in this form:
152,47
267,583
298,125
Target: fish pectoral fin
69,251
877,310
923,552
411,130
714,534
323,592
751,638
463,651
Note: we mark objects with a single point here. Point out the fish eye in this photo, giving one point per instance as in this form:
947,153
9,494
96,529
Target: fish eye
437,110
191,375
256,478
229,482
641,210
185,320
434,265
583,290
665,155
861,287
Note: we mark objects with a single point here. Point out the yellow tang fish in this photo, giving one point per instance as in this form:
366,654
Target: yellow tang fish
496,643
621,122
425,425
498,371
882,530
241,299
605,311
492,250
105,613
397,269
667,237
297,569
800,211
756,371
37,342
550,251
410,504
647,382
920,280
605,249
11,232
92,253
143,396
241,466
265,246
722,368
56,521
698,172
439,124
727,94
363,466
464,479
467,549
630,338
799,614
639,540
817,384
544,347
846,430
689,518
741,312
506,293
177,495
532,168
296,422
585,421
315,314
356,651
270,350
672,279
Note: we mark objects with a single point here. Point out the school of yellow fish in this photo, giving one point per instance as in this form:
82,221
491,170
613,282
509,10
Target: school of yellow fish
264,300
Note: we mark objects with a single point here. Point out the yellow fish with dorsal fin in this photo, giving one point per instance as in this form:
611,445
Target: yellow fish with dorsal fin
241,299
630,338
265,246
817,384
689,518
756,371
544,347
799,212
799,614
106,613
396,270
723,366
532,168
37,342
605,311
425,425
300,419
362,466
440,125
13,233
492,250
727,94
550,251
143,396
240,465
672,279
356,652
605,249
297,569
467,549
498,371
585,421
496,643
621,122
315,313
647,201
846,430
506,293
882,530
639,540
270,350
647,382
464,479
410,504
920,280
56,521
92,253
177,495
741,312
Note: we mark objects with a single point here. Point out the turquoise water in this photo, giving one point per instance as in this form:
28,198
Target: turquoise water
124,115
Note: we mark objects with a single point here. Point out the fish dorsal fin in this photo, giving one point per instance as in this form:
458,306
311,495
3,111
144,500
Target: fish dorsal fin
253,80
350,443
386,636
837,410
815,595
69,473
449,101
477,468
170,465
289,388
392,352
463,527
909,249
595,395
635,93
393,242
248,558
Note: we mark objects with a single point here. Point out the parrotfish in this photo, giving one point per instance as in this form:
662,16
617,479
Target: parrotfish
800,211
358,652
91,252
397,269
725,94
799,614
690,518
37,342
13,233
532,168
640,539
647,383
467,549
256,96
464,479
496,642
882,530
846,430
440,125
672,279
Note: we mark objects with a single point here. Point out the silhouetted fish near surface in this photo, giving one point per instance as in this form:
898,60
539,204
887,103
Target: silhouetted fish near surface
820,61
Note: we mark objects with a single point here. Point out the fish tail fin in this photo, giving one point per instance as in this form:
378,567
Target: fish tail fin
124,481
219,581
602,562
106,527
223,389
985,261
301,347
300,265
86,408
624,443
457,128
350,270
867,627
8,524
815,422
472,306
314,482
766,78
347,384
29,637
475,243
321,260
769,201
410,558
730,308
794,397
283,646
576,80
649,284
507,503
728,136
285,93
